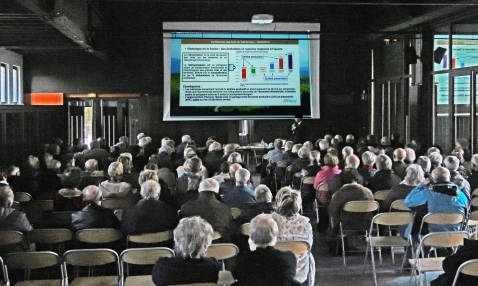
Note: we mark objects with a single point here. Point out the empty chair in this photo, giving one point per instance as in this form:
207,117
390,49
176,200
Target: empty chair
399,205
100,237
54,238
380,196
469,268
12,241
22,197
355,216
141,256
36,260
57,219
379,241
279,174
435,239
90,258
35,210
149,238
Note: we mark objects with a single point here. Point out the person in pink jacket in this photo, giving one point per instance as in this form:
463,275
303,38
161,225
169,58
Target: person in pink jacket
327,172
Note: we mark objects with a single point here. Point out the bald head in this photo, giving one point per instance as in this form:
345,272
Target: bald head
209,185
92,195
399,154
6,196
352,162
91,165
233,168
441,175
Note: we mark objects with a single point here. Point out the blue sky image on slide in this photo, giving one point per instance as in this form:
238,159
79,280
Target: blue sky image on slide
176,46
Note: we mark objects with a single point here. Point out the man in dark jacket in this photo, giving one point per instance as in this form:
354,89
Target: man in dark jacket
138,219
93,215
384,179
209,208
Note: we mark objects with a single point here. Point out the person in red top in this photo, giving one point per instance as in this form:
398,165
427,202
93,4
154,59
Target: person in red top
330,169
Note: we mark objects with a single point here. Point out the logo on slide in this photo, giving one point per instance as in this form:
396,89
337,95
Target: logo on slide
290,100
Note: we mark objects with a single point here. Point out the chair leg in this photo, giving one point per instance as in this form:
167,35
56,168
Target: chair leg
393,255
380,254
373,265
343,247
365,259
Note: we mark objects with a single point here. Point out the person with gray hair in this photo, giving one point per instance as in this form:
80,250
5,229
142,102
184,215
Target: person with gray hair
241,194
10,218
95,152
452,163
93,215
301,162
137,219
272,155
398,166
413,178
411,156
228,150
436,159
384,178
69,198
426,165
208,207
263,205
352,162
192,237
114,187
367,170
264,265
184,143
293,226
440,195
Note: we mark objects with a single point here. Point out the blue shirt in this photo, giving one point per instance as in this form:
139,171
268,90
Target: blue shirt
438,202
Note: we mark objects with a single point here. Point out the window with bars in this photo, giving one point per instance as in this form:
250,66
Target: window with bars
11,78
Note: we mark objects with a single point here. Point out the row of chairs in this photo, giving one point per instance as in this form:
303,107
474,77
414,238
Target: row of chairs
102,256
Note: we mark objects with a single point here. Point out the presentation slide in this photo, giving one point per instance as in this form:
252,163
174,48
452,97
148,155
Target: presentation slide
240,72
464,52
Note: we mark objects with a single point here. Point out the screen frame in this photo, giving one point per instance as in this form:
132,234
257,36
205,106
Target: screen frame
312,29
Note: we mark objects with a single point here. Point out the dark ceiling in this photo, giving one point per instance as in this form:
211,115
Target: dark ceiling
38,27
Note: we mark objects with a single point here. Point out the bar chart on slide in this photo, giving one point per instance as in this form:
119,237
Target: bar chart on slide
270,67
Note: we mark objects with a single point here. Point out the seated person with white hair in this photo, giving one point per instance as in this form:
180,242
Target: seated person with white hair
473,177
114,187
229,183
93,215
384,179
241,194
436,160
452,163
265,265
411,156
192,166
399,167
96,152
234,158
286,155
69,198
414,176
228,150
162,162
91,170
426,164
301,162
137,219
350,141
263,205
346,151
213,159
314,167
439,195
208,207
192,237
184,142
322,145
367,171
352,162
11,219
272,155
165,194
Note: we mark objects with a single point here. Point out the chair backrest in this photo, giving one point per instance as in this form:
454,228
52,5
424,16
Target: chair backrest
98,235
222,251
216,235
441,219
308,180
236,212
323,187
116,203
474,202
8,237
43,205
145,256
150,237
392,219
298,247
380,195
59,219
469,267
91,257
50,236
22,197
444,239
245,228
361,206
399,205
32,260
282,164
474,193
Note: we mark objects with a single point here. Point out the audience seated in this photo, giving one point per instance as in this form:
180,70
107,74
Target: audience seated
95,152
48,182
384,178
234,158
426,164
398,166
129,176
70,198
301,162
414,176
452,163
114,187
229,183
265,265
263,205
314,167
209,208
224,172
293,226
192,237
272,155
346,151
138,219
93,215
326,173
473,177
436,160
3,177
180,148
13,176
286,155
351,163
241,194
164,173
11,219
164,195
212,161
411,157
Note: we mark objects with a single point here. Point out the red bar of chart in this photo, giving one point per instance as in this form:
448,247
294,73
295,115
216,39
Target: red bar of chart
281,63
244,73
